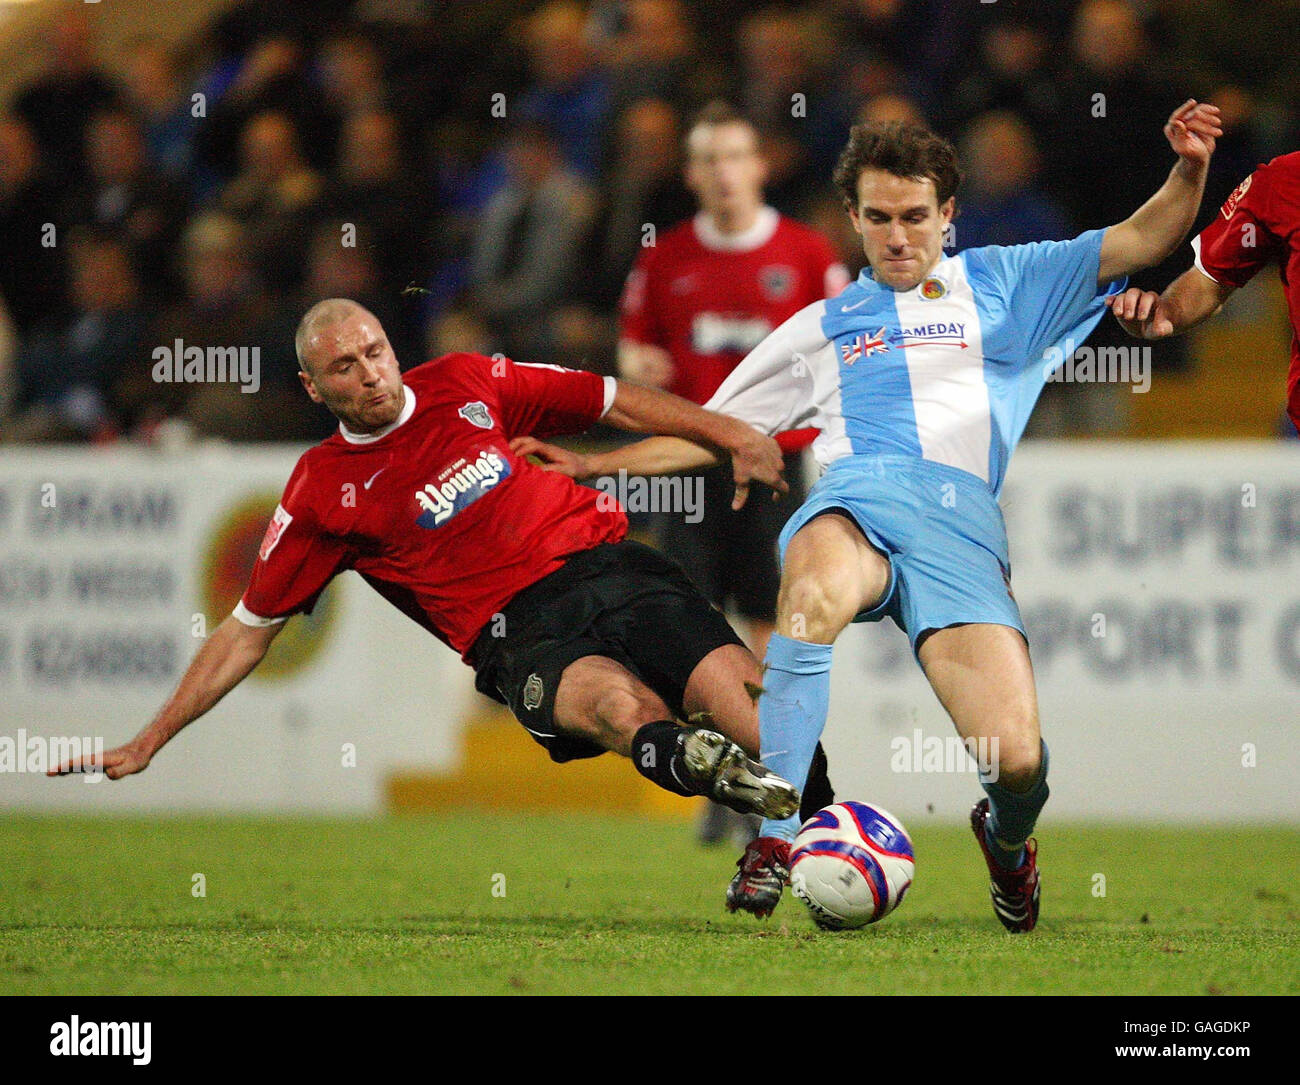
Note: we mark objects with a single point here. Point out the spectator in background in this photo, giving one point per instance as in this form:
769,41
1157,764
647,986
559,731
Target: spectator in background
59,103
789,93
461,329
1108,153
655,55
888,107
271,78
276,196
571,92
373,188
912,46
1107,157
125,194
643,188
521,265
32,273
350,73
1001,201
1247,48
223,306
65,371
1012,74
155,91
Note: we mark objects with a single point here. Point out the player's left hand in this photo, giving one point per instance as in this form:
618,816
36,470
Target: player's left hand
552,457
1192,130
1140,313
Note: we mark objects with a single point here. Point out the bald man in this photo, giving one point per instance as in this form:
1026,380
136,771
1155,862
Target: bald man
596,643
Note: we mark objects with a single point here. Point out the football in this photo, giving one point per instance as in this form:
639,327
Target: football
851,864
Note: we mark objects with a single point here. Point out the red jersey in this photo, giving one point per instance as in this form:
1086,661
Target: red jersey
434,511
708,298
1258,225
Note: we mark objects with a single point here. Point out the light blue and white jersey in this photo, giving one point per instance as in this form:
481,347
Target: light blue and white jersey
947,371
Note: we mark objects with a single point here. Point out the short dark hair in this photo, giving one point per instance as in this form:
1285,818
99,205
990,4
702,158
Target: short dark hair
905,150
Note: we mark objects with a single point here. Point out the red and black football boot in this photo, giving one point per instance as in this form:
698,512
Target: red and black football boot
1014,892
764,872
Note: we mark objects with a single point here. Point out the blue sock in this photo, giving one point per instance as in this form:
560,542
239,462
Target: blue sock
791,714
1012,815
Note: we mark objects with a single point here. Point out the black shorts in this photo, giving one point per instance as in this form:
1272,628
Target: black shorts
622,601
732,554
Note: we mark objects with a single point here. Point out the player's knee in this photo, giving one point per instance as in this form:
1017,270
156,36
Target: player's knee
1018,759
815,605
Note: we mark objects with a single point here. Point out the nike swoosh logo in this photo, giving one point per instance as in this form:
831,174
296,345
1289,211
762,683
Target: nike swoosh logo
765,754
850,308
366,485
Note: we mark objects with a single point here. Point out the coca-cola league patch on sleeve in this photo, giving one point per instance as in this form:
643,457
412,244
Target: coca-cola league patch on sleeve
279,521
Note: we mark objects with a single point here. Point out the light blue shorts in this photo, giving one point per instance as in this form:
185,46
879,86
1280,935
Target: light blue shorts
940,528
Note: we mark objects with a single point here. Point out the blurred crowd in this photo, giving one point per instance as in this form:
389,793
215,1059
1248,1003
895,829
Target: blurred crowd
481,176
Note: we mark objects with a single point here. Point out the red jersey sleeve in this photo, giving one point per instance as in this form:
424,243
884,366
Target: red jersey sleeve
831,274
546,400
295,561
636,309
1241,239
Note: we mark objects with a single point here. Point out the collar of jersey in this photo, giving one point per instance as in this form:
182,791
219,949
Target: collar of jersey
408,409
746,241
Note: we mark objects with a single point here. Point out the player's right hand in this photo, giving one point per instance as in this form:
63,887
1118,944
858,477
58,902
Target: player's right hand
1140,313
115,763
553,457
755,457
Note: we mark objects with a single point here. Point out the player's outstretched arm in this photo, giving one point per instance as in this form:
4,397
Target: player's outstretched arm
1156,228
1188,300
694,438
224,661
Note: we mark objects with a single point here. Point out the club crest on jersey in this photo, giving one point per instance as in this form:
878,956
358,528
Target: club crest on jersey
933,288
863,346
458,485
777,281
533,692
476,414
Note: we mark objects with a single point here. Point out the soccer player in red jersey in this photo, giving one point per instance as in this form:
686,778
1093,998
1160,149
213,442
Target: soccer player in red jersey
595,642
697,301
1259,224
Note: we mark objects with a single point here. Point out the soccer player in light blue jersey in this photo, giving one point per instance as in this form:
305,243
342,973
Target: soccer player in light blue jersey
920,377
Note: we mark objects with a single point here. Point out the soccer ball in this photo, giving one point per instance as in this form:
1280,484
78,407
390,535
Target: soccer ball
851,864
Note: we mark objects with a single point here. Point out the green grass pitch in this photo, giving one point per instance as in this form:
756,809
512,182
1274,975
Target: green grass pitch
572,904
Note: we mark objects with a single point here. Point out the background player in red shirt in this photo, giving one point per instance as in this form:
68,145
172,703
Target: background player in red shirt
1259,224
595,642
697,301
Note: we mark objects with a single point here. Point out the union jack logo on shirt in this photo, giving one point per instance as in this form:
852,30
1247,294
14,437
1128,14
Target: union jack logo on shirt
863,346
